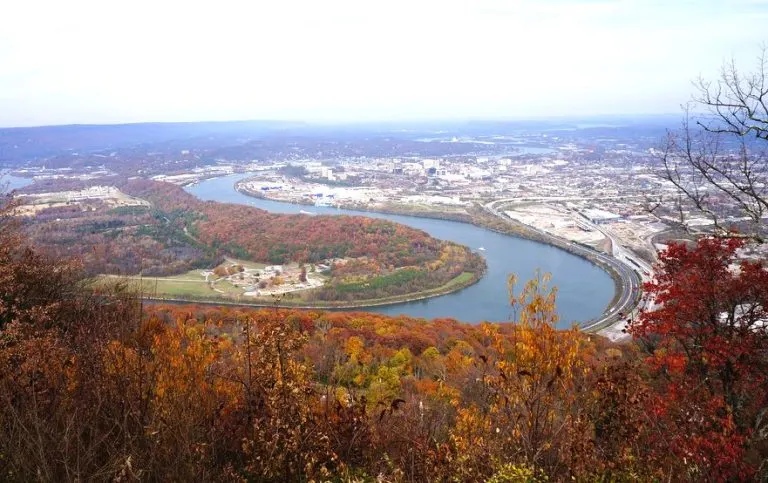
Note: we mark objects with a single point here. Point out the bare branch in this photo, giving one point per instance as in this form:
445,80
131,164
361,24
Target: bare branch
715,160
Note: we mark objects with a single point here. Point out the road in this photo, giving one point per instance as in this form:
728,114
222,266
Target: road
629,287
618,251
615,330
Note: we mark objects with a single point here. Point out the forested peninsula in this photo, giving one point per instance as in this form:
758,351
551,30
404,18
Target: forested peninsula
182,247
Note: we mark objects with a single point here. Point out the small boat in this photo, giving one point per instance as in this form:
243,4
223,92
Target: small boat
482,249
303,212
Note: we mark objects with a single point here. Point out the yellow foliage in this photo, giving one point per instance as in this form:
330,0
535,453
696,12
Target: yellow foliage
354,347
532,374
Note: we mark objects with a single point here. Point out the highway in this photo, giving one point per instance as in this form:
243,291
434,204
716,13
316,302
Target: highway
629,288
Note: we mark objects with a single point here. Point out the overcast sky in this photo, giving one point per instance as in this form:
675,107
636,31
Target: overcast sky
77,61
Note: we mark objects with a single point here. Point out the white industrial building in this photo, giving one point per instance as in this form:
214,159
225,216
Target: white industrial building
600,216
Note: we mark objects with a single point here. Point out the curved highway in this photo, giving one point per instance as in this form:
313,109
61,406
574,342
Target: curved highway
629,288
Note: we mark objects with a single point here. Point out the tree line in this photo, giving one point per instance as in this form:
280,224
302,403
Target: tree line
95,386
180,233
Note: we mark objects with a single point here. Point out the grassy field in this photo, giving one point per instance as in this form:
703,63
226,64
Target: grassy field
161,286
192,285
457,283
190,276
189,284
462,279
228,288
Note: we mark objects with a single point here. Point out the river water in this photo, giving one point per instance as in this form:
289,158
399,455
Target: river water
584,290
10,183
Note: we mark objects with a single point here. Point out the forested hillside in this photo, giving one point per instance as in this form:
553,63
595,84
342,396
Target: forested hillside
367,258
96,386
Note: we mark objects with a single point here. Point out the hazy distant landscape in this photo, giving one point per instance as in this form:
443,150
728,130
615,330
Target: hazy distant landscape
424,222
402,241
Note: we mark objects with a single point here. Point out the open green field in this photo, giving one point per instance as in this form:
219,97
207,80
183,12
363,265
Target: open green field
227,288
190,276
190,283
462,279
193,286
290,300
161,287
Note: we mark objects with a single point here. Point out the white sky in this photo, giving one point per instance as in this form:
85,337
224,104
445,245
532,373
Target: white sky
77,61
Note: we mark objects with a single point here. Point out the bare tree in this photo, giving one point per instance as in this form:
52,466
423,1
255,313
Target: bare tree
717,160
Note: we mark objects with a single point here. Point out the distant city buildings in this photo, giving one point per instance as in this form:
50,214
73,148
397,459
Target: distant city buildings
573,181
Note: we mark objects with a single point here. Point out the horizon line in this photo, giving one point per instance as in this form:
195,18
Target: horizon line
350,122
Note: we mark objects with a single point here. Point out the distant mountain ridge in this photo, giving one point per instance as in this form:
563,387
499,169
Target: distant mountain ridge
27,143
19,146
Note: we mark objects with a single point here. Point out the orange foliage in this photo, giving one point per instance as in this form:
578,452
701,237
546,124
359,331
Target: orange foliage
98,387
180,233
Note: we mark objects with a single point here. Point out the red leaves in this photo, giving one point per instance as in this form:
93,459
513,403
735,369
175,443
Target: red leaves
207,393
707,338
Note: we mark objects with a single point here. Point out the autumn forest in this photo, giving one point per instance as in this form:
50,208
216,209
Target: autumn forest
97,385
367,259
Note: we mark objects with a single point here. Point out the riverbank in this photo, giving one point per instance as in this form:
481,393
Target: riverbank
459,282
478,216
583,288
624,299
